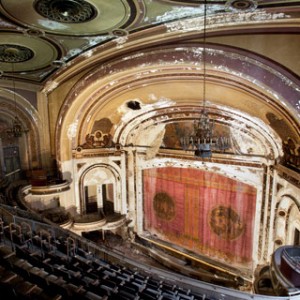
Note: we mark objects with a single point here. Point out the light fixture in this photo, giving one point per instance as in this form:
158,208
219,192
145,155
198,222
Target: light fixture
203,140
16,130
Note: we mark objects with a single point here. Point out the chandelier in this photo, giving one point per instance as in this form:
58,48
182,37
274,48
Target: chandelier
203,139
16,129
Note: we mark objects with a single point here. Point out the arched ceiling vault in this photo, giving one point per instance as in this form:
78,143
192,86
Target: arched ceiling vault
186,31
14,104
88,58
236,81
148,129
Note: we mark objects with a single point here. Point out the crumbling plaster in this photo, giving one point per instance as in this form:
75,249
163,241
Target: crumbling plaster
109,87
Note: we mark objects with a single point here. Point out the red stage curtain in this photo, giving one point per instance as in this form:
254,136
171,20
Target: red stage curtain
204,212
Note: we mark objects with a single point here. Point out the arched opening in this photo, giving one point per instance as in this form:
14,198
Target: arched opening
287,225
99,186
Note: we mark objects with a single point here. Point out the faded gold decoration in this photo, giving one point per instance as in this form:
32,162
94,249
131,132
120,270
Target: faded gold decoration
164,206
97,140
104,125
226,223
100,136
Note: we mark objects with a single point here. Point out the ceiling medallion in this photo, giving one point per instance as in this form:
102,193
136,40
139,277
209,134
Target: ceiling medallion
241,5
66,11
10,53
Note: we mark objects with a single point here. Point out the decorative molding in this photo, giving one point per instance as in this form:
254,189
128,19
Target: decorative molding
66,11
289,175
12,53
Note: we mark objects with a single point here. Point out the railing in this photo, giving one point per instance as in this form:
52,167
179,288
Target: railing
211,291
50,188
89,226
292,254
290,264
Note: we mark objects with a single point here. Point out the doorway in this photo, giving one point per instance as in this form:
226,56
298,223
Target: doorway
108,199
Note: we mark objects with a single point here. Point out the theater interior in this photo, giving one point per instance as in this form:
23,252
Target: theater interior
159,137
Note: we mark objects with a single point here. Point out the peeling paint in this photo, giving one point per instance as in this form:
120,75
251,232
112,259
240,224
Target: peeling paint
197,24
88,53
180,12
72,130
50,86
121,40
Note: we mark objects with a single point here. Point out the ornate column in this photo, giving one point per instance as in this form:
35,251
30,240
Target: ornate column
267,215
139,194
131,183
44,131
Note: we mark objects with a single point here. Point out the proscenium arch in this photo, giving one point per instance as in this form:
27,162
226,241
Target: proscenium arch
117,82
128,133
117,184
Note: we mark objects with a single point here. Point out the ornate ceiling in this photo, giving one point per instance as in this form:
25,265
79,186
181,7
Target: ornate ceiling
41,36
88,58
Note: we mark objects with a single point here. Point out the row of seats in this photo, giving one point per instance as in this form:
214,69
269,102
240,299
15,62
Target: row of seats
37,265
